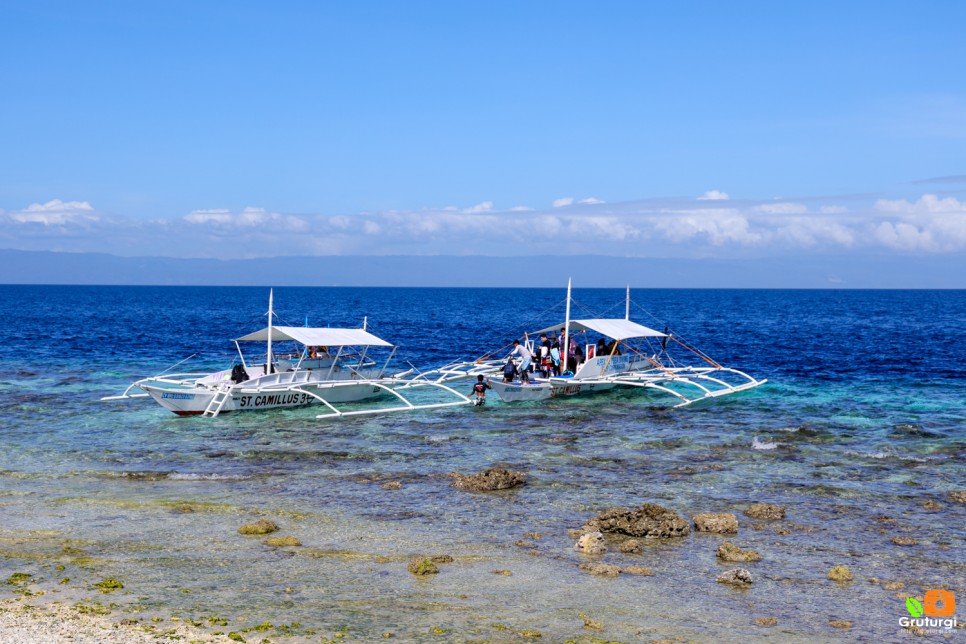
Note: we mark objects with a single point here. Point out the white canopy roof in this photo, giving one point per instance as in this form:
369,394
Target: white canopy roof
616,328
317,337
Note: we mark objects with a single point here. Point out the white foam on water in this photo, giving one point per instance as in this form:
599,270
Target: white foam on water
763,445
191,476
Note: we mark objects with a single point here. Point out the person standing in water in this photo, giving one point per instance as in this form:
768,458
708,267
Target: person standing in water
480,390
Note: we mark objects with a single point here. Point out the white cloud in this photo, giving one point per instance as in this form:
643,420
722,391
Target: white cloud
219,216
718,225
480,207
591,201
714,195
669,227
56,205
782,208
248,218
56,213
563,201
930,224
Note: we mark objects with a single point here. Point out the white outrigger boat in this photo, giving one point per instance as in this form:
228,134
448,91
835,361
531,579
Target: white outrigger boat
635,357
327,366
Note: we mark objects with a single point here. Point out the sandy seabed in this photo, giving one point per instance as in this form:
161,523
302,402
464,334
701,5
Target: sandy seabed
24,622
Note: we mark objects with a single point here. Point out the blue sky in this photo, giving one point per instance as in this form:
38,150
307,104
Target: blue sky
691,129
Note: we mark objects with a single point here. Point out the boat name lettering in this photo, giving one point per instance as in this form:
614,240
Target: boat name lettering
272,400
178,396
566,390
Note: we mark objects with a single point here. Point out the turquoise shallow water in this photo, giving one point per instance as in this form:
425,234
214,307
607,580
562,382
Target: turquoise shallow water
860,425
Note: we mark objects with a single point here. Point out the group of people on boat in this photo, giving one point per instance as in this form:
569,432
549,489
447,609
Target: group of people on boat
545,357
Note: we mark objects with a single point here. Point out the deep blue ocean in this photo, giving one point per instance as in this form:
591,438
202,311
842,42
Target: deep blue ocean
859,433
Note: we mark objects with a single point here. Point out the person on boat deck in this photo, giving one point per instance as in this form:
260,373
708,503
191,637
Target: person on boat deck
555,358
526,357
509,369
576,356
543,357
601,347
313,353
614,346
480,390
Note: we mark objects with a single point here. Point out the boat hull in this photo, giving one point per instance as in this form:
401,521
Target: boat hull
544,390
193,401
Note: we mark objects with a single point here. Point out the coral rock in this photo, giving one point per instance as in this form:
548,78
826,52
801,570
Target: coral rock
728,551
591,543
735,577
631,546
649,520
723,523
489,480
765,511
766,621
840,573
422,567
638,570
262,526
604,570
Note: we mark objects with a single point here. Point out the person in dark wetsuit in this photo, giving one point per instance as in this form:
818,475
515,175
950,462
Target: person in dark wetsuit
509,370
480,390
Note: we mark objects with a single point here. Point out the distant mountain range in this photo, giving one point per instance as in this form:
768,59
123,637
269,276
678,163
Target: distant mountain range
839,271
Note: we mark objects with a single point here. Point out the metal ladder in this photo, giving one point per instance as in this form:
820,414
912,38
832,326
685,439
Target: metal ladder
217,402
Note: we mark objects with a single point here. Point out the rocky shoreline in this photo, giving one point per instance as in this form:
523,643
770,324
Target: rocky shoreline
44,610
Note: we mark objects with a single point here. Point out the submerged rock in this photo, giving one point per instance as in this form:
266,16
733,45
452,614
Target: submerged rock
840,573
719,523
392,485
649,520
279,542
728,551
840,623
735,577
765,511
605,570
441,559
420,566
591,543
262,526
643,571
958,496
495,478
631,546
766,621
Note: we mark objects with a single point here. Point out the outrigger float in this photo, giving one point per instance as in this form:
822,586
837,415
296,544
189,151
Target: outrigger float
636,357
328,366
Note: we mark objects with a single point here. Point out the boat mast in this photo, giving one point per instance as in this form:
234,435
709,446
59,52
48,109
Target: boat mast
565,358
627,305
268,351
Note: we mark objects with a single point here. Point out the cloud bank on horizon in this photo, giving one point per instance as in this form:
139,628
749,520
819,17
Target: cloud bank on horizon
712,225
